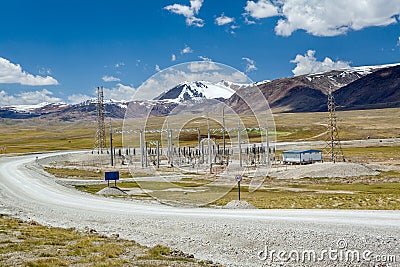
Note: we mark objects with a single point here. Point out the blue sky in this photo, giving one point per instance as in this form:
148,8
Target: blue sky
62,50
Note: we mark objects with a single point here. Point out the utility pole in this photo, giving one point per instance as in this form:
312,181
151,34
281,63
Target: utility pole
267,140
240,144
100,142
223,130
146,164
209,143
171,147
141,147
158,154
111,145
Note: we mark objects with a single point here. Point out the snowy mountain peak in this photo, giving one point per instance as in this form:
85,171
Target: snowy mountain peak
237,86
364,70
336,79
196,91
32,108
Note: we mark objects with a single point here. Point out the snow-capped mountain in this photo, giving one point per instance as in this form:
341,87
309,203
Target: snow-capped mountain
308,93
364,70
366,86
32,108
196,91
62,110
238,86
336,79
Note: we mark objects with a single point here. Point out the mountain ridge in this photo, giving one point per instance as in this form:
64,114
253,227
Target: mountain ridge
355,88
307,93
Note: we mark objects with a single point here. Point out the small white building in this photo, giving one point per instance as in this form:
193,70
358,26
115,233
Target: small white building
301,156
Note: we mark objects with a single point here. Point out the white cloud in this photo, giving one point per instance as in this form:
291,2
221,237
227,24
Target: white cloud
157,68
309,64
120,92
173,57
223,20
248,21
189,12
45,71
119,64
186,50
27,98
171,77
261,9
110,79
78,98
205,58
250,64
202,66
330,18
13,73
324,17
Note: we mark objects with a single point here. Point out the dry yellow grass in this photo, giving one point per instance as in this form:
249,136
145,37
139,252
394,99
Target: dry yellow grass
31,244
43,135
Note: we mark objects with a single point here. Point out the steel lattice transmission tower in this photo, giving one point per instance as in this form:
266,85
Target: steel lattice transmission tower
333,149
100,142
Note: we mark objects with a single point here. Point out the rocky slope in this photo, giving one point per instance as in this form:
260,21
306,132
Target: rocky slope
361,87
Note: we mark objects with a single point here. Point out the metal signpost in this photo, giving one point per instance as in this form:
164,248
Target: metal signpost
112,176
238,179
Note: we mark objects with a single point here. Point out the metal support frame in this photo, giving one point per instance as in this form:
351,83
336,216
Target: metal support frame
333,148
240,145
100,141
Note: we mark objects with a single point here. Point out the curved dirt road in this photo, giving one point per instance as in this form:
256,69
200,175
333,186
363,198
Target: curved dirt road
231,237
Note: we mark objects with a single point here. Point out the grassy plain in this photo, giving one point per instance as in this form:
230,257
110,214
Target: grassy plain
21,136
354,124
34,245
380,192
36,135
368,192
30,244
371,193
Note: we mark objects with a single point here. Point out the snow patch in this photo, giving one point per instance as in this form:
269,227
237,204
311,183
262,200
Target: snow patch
197,91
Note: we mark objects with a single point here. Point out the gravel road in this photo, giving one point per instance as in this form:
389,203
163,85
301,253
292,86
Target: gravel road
230,237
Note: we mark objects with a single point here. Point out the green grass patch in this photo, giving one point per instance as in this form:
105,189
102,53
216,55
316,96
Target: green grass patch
79,173
93,189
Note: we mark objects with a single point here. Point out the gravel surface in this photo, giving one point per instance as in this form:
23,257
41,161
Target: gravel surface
228,236
239,204
321,170
111,191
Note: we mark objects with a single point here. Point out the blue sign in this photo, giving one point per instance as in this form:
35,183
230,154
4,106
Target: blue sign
112,176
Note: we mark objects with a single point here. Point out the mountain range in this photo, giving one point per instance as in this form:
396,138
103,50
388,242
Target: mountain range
354,88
